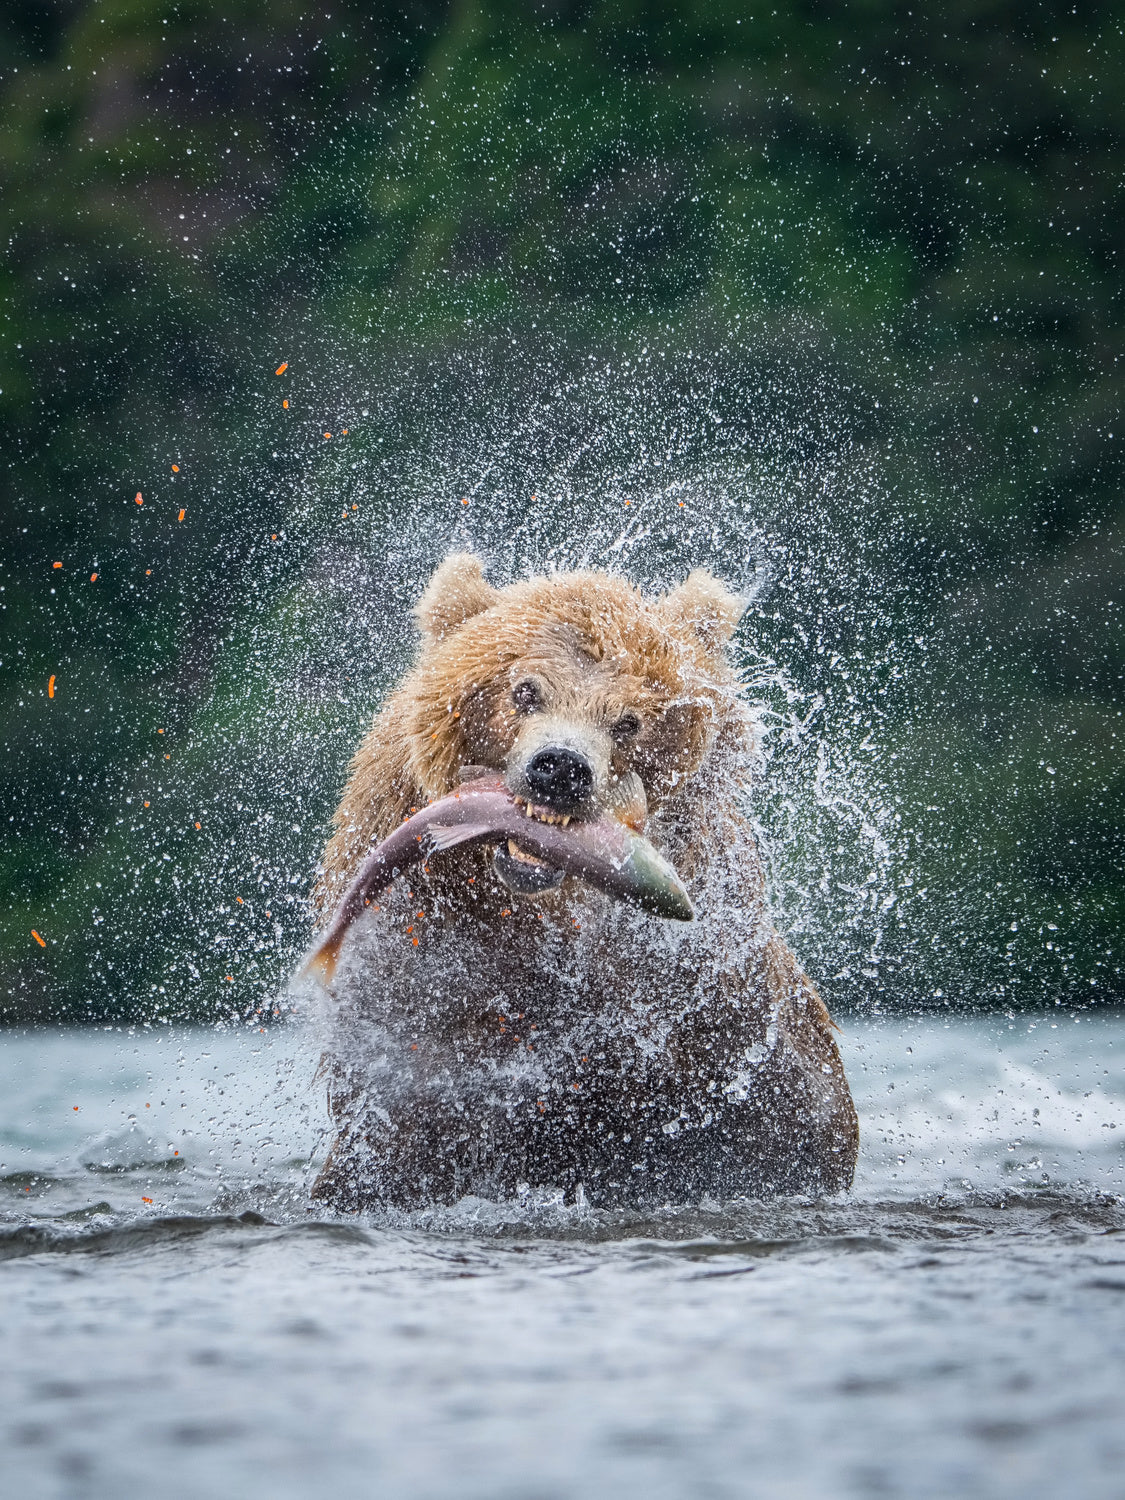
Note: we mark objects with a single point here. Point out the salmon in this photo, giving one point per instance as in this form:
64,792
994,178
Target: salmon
604,853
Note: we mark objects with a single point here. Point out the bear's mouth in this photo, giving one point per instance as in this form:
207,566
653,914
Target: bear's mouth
543,814
523,873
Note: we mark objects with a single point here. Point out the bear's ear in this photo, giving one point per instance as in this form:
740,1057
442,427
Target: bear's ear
704,606
455,593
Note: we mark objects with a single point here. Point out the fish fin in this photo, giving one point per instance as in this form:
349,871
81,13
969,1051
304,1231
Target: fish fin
322,965
448,836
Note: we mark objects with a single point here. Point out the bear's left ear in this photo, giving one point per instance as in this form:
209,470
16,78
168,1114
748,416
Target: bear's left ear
704,606
455,593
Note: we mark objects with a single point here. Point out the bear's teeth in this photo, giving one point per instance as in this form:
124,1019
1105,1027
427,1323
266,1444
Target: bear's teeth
542,814
517,853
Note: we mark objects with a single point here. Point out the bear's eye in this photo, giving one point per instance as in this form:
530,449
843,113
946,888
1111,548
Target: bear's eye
526,695
626,727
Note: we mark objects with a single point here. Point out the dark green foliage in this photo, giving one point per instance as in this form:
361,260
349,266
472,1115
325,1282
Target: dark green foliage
864,256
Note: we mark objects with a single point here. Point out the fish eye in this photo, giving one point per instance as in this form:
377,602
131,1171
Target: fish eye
626,726
526,695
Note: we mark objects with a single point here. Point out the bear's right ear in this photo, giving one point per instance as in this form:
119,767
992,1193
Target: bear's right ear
706,607
455,593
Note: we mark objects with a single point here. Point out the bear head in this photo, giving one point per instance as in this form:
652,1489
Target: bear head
585,695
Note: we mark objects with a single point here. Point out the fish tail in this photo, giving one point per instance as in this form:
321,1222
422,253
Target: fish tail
322,965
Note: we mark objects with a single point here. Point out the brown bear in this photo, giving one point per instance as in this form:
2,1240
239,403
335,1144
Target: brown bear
496,1028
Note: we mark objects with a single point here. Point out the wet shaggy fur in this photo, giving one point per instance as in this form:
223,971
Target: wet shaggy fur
488,1043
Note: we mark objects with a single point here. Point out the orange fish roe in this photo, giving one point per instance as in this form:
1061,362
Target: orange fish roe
139,499
282,367
56,565
285,404
50,687
181,515
93,578
175,468
37,938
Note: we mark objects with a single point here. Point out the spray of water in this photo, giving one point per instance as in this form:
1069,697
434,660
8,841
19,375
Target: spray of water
643,462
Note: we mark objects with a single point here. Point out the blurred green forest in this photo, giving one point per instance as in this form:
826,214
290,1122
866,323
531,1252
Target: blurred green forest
850,269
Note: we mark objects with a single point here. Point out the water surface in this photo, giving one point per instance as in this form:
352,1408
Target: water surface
176,1321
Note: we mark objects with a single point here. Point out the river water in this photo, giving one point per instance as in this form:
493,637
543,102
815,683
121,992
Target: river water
176,1322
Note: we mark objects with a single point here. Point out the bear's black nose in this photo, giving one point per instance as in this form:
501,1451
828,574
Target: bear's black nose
560,779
